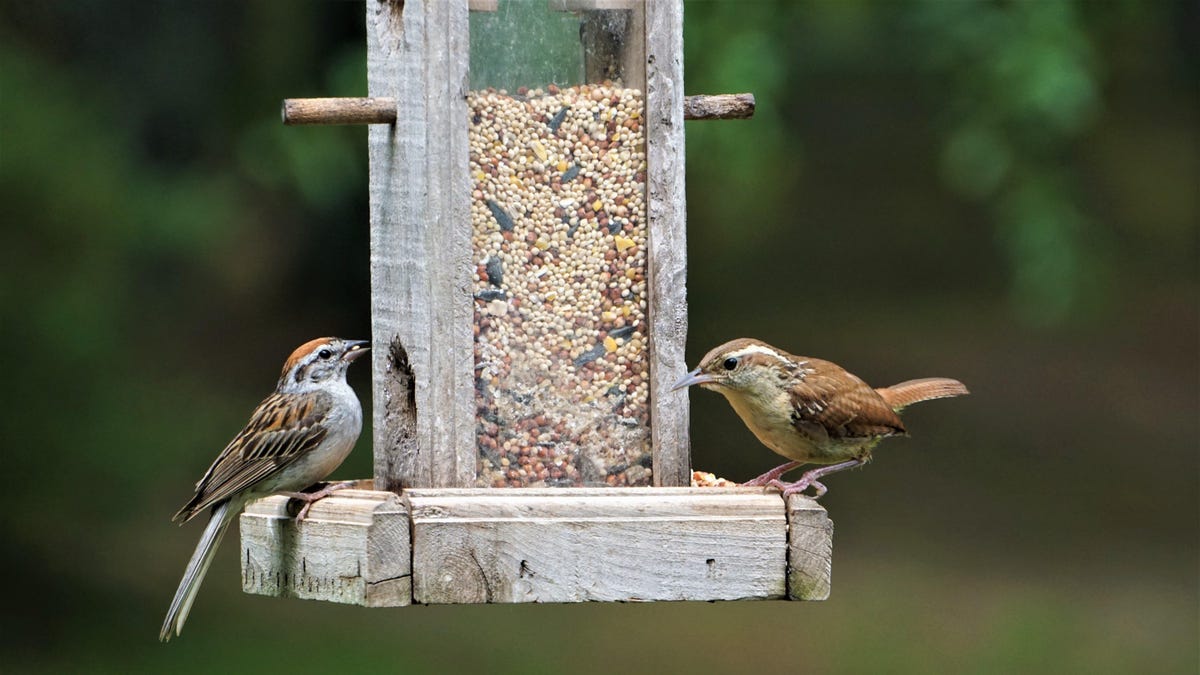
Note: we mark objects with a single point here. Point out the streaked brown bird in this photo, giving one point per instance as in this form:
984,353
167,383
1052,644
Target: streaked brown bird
296,437
809,410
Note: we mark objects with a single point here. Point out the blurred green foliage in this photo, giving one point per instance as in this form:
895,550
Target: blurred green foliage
1005,192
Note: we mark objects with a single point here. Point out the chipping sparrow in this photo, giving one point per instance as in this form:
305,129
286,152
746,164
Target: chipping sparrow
808,410
296,437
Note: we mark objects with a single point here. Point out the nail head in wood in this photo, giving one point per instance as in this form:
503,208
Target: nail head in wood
338,111
718,107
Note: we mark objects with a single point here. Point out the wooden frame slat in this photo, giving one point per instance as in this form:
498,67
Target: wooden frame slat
627,545
421,312
667,241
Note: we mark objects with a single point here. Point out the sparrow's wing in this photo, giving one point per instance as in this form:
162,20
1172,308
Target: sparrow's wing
283,427
832,402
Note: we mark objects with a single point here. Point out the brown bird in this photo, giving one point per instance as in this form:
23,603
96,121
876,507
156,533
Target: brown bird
809,410
297,436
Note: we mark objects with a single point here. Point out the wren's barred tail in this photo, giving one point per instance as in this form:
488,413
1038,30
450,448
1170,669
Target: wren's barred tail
900,396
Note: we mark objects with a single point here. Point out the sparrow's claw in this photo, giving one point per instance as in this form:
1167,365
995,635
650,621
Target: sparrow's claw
310,497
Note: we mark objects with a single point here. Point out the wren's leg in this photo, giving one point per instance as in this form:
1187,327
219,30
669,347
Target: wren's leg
771,475
809,479
309,497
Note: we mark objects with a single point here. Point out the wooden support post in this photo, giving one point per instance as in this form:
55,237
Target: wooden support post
666,216
421,307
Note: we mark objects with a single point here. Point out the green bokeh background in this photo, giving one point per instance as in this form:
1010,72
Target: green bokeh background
1004,192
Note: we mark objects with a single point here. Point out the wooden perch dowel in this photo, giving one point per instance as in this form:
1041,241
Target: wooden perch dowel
718,107
383,110
339,111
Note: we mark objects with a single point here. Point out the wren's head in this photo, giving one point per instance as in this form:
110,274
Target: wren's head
320,361
745,366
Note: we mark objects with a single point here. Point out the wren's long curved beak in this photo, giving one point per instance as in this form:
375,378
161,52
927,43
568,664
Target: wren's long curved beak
356,349
694,377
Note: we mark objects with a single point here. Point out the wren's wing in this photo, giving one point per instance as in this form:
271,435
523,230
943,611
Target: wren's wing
832,402
283,427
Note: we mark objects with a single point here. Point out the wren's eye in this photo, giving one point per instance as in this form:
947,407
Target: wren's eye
325,353
730,363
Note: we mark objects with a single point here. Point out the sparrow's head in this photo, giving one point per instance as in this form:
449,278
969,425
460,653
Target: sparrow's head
320,361
742,365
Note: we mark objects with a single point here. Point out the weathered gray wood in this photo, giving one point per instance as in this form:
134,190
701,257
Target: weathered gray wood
614,544
810,549
667,240
718,107
352,548
338,111
539,545
417,54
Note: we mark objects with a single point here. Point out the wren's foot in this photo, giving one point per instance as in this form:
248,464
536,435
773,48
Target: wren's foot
788,489
310,497
809,479
771,476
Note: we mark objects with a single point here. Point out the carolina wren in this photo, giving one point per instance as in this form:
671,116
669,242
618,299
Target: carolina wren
808,410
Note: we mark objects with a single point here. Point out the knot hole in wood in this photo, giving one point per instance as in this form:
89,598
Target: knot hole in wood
400,406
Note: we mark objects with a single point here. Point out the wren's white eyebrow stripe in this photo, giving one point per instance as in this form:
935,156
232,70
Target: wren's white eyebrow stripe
758,349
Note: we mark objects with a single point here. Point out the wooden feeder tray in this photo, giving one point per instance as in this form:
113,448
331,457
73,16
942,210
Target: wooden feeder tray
446,546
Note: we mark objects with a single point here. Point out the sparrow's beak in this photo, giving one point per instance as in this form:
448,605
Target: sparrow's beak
356,349
694,377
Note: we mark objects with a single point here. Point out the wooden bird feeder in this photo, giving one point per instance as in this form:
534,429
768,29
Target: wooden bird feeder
528,319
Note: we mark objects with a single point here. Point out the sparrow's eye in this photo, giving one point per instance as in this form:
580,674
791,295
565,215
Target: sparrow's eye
730,363
325,353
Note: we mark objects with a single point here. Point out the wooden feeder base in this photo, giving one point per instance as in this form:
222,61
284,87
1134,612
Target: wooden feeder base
435,546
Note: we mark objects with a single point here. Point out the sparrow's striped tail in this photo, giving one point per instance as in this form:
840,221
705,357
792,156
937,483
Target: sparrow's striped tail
898,396
222,515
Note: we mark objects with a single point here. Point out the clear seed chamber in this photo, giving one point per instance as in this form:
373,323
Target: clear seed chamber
558,218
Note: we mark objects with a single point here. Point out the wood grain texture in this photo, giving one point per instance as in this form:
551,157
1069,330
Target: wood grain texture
810,549
353,548
667,240
539,545
296,111
615,544
718,107
417,54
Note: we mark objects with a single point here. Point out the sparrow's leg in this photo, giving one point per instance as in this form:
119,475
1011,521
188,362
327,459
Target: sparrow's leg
771,475
809,479
309,497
